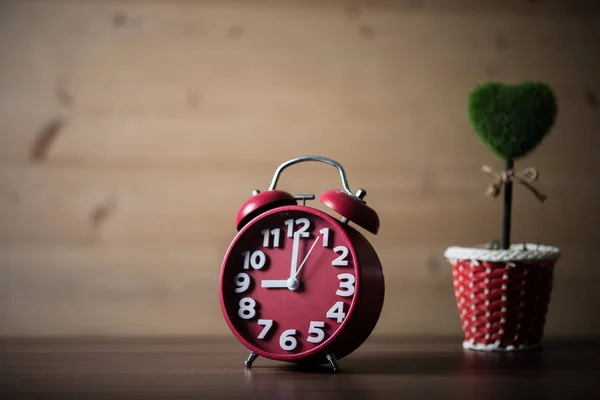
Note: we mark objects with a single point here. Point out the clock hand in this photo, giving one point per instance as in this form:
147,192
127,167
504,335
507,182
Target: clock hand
295,254
307,254
276,283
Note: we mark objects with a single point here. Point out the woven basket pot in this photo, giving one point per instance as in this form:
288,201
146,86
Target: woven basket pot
503,295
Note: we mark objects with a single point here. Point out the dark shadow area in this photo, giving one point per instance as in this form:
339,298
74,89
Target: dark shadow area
310,369
287,383
584,344
463,363
205,368
400,364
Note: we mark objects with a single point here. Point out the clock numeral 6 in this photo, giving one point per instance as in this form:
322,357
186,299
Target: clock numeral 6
247,308
337,312
316,328
346,282
257,260
287,341
242,281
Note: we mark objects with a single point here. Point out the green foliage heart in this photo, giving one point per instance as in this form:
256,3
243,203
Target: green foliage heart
512,120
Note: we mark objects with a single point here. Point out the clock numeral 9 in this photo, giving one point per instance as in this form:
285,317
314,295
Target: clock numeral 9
242,281
247,308
257,260
302,231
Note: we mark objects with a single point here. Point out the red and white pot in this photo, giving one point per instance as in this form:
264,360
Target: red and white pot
503,295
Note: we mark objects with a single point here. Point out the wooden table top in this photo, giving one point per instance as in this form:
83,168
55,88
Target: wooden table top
205,368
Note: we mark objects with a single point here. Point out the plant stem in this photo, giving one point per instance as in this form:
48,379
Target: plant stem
508,186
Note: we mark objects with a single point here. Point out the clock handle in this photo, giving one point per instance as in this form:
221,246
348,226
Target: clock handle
361,192
350,206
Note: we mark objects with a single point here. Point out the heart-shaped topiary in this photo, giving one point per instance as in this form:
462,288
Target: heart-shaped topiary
512,120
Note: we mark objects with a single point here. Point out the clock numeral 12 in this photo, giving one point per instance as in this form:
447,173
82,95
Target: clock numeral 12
302,231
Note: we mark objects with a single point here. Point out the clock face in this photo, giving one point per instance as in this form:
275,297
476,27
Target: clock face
288,282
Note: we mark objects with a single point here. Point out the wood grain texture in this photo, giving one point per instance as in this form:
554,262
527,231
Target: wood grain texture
201,367
131,132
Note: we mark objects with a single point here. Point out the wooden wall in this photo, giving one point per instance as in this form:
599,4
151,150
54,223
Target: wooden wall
131,131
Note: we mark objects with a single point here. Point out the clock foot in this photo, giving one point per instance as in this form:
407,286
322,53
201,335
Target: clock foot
253,356
333,362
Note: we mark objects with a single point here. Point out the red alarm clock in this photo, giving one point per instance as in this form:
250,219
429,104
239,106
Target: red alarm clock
300,285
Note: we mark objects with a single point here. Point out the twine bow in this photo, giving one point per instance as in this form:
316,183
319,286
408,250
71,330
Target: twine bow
525,177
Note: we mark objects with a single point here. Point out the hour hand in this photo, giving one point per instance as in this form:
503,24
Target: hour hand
274,283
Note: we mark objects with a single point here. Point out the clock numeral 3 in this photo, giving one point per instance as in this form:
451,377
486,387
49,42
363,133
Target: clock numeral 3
247,308
257,260
316,328
341,259
287,341
267,235
302,231
346,282
267,323
242,281
337,312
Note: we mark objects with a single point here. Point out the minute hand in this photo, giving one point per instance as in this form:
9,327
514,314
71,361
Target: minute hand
295,254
